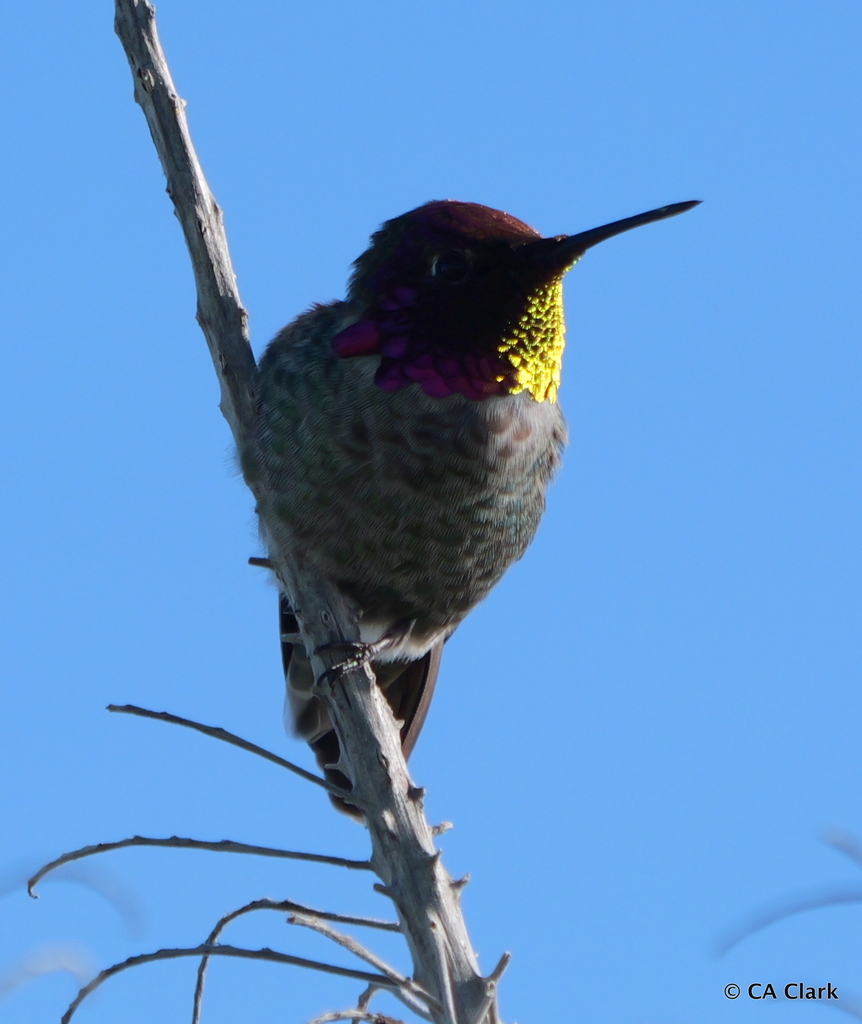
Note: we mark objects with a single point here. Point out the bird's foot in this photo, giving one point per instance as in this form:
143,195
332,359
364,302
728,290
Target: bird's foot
360,653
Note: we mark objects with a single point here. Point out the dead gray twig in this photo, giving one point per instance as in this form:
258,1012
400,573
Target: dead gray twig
228,737
220,312
408,991
282,905
180,843
488,1003
360,1015
366,997
234,951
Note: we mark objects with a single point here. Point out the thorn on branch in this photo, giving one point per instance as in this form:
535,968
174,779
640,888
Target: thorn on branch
458,884
490,982
442,828
339,766
500,969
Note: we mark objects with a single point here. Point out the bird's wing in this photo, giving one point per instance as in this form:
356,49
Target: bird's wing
410,693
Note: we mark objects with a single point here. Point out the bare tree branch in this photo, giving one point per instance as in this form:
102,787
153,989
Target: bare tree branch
180,843
220,311
360,1015
309,920
404,855
218,733
406,987
786,908
235,951
366,997
282,905
324,915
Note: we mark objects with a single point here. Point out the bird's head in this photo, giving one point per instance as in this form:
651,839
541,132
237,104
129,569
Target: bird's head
463,299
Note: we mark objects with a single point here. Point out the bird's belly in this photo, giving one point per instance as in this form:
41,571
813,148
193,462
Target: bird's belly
414,507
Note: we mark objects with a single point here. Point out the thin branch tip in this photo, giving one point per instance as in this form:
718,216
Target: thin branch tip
218,733
500,969
217,950
182,843
406,989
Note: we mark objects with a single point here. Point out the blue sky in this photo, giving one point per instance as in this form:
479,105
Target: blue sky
644,731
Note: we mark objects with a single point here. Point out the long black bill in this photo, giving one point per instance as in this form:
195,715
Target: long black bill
561,252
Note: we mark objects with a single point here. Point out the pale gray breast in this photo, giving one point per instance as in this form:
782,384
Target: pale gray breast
415,506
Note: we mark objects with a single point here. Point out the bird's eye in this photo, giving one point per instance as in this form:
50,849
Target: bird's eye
452,267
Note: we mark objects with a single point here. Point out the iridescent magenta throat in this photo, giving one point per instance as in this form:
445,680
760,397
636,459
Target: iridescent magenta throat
406,359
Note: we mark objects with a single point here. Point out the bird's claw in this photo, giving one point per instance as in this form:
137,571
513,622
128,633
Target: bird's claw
355,647
359,655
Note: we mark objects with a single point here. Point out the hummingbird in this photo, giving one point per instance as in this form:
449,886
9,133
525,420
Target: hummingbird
407,435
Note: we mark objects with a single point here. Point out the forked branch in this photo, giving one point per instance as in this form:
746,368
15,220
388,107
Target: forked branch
282,905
